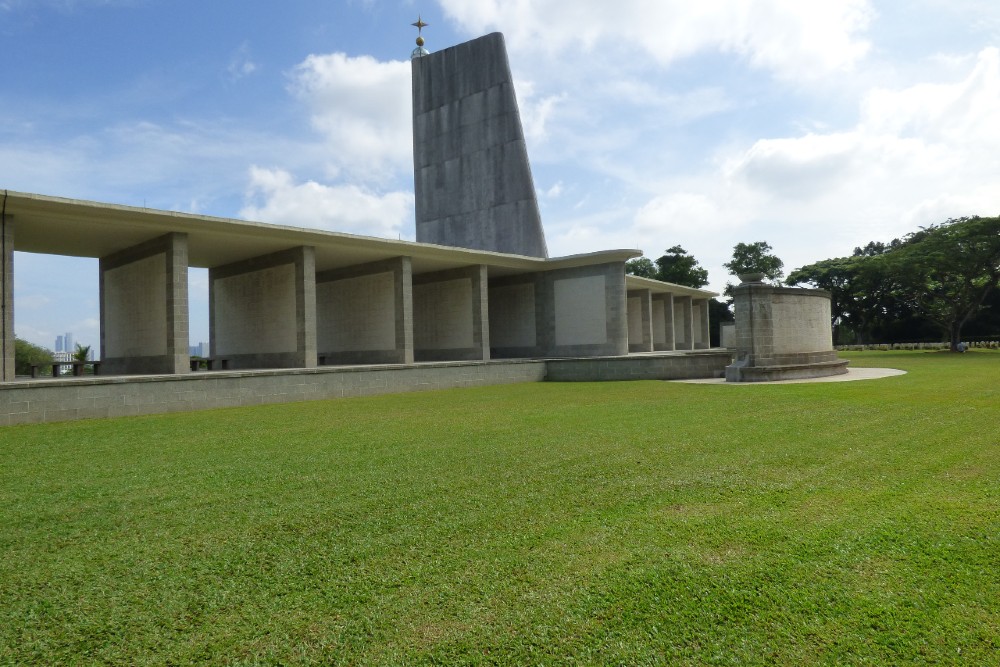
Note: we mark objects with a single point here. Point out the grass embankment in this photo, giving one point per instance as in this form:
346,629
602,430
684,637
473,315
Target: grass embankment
627,523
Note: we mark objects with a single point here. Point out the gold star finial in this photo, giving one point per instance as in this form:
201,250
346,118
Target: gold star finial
420,50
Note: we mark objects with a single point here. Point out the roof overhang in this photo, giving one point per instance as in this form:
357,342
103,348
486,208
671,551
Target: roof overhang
659,287
58,226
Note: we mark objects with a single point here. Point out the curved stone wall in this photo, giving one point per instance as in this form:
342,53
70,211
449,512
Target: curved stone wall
782,333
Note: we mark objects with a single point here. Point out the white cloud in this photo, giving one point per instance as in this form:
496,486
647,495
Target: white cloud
917,155
794,39
363,107
677,213
241,63
275,197
553,192
914,152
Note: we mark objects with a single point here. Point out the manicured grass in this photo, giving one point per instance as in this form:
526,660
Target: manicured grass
617,523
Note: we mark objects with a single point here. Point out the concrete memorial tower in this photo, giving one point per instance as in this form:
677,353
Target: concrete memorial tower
472,180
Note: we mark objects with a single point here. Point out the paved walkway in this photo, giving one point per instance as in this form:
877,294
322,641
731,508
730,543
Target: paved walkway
851,375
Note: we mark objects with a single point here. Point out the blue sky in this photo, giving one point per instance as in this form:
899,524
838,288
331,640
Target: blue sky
816,126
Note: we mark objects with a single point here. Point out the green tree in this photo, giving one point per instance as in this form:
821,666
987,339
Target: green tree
26,354
947,271
678,267
81,353
862,293
755,257
674,266
642,267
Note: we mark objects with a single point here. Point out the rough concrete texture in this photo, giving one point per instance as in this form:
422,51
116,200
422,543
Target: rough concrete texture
727,335
262,311
37,401
361,314
791,341
450,321
135,321
512,316
144,308
801,323
700,332
364,313
63,399
683,323
6,298
663,322
640,321
517,316
583,311
652,366
472,179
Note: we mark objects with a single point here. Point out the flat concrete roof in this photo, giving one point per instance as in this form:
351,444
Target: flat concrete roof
79,228
659,287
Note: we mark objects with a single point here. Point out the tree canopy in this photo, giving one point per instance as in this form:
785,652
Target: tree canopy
755,257
674,266
26,354
944,274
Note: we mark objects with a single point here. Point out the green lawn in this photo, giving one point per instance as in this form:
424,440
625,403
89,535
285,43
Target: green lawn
616,523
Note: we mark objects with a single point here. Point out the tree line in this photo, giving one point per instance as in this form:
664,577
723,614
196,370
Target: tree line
940,282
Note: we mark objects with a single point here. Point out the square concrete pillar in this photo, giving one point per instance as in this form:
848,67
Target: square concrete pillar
514,316
6,299
262,311
663,322
699,317
683,323
583,312
451,315
640,320
144,308
364,313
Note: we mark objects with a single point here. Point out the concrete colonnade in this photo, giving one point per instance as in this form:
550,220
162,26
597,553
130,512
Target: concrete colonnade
664,321
640,320
277,311
700,333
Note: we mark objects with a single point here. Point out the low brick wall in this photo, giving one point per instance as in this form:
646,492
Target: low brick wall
36,401
63,399
664,366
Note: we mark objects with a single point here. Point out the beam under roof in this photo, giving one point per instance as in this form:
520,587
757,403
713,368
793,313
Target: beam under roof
78,228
